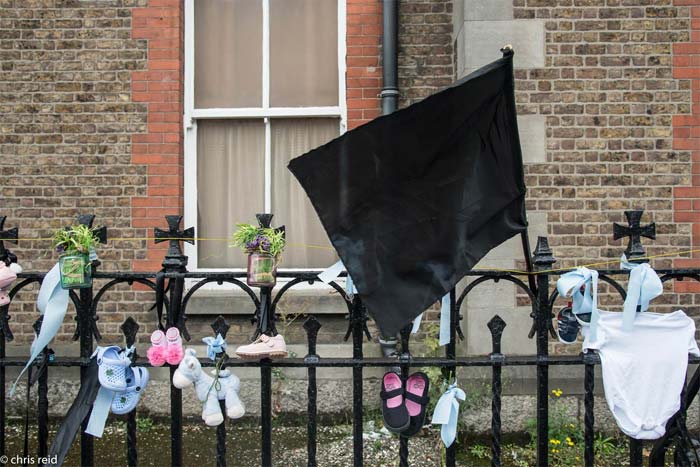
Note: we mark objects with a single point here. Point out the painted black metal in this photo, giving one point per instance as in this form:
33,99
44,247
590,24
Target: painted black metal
85,330
589,415
264,304
634,231
405,360
451,371
390,56
357,323
10,235
496,326
266,412
543,260
220,327
311,326
130,328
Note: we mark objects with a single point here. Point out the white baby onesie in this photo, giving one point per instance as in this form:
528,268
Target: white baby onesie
644,369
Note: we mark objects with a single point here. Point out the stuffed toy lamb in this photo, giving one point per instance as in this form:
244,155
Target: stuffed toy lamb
190,372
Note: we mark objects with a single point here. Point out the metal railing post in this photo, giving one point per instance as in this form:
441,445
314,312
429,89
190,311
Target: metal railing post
175,262
543,261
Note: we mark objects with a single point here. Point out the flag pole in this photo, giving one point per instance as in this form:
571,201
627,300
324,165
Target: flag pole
528,261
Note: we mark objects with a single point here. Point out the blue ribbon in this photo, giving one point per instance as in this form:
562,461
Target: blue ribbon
447,413
52,303
214,346
100,412
644,286
569,285
445,315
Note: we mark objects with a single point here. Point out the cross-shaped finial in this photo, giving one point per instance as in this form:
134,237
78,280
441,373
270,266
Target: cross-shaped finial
635,232
174,256
87,220
10,235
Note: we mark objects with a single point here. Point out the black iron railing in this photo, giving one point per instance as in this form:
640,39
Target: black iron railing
170,284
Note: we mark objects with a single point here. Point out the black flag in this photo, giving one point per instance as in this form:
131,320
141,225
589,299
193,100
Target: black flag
412,200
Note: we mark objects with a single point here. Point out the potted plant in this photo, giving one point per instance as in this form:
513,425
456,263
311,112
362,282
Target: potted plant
263,245
76,247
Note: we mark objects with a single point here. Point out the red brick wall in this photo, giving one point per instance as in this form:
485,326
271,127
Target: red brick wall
686,136
160,149
364,72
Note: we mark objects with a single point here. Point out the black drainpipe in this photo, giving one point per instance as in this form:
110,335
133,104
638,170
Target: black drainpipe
390,100
390,53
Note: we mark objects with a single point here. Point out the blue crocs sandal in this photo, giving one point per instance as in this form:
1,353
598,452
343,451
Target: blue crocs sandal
126,401
112,367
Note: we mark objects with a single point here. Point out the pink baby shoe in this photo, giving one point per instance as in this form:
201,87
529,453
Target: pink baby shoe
174,353
157,354
4,297
7,275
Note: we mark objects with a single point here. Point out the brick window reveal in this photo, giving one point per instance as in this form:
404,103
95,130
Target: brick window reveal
159,86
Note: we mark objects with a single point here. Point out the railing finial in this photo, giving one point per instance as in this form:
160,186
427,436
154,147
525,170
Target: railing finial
174,258
543,256
635,231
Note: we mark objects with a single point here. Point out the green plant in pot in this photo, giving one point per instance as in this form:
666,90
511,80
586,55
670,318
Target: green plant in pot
264,246
75,246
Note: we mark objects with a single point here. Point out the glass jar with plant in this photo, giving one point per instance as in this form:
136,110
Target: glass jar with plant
75,246
263,245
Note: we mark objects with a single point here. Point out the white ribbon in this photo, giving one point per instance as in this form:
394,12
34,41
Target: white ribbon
52,303
644,286
445,314
447,413
332,272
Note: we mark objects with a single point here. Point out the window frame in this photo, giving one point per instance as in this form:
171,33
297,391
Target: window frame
265,112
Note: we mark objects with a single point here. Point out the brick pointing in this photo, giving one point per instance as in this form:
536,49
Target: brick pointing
609,93
66,134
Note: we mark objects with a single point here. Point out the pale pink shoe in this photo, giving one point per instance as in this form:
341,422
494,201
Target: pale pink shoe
175,352
4,297
7,275
159,347
264,347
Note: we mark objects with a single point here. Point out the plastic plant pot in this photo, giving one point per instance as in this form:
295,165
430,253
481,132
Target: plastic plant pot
76,271
262,270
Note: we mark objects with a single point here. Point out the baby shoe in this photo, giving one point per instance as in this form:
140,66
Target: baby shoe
4,298
112,367
126,401
264,347
174,353
159,347
394,412
7,275
567,326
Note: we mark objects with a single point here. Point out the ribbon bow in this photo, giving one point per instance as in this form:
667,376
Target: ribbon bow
214,346
644,286
447,413
569,285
